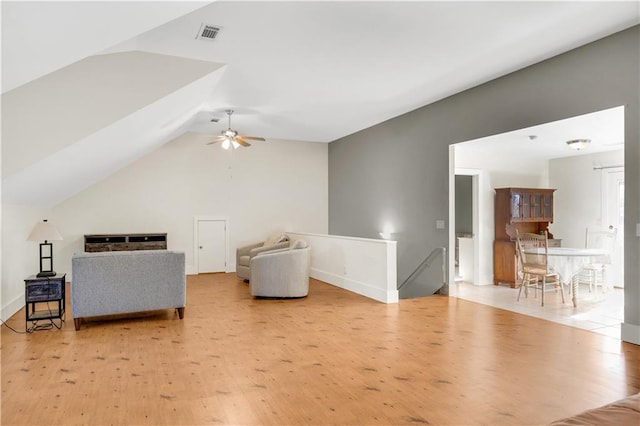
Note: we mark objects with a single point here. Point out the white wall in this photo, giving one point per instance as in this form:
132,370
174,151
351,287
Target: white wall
502,171
19,256
269,187
578,197
493,171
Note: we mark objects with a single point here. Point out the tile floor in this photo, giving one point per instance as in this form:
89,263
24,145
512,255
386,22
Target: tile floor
602,314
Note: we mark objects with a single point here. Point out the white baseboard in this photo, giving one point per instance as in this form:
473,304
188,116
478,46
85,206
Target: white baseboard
191,270
630,333
12,307
355,286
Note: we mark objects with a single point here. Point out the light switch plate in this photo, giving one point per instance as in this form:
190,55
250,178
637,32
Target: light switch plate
439,224
637,229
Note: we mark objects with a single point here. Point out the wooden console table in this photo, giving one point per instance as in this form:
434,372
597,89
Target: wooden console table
124,242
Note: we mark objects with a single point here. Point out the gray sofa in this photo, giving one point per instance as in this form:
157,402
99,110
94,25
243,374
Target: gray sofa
625,411
108,283
281,273
246,253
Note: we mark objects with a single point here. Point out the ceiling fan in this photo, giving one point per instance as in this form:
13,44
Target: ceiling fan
231,138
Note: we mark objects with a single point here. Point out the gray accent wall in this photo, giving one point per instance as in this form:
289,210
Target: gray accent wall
397,171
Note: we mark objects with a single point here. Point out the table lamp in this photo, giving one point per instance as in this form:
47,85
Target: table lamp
44,231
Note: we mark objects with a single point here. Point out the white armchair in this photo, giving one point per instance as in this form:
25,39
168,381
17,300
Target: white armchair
281,273
246,253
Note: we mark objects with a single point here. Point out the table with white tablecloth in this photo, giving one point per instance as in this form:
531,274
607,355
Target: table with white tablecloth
568,262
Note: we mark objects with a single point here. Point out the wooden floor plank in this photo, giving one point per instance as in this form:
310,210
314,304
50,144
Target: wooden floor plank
331,358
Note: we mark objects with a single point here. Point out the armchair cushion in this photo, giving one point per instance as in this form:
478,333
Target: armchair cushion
244,254
256,251
276,239
244,260
299,244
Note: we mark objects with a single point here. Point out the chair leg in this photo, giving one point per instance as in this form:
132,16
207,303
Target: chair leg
561,289
544,281
520,289
526,280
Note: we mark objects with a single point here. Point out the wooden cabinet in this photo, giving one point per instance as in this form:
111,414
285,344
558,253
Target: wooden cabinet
504,263
525,210
529,205
123,242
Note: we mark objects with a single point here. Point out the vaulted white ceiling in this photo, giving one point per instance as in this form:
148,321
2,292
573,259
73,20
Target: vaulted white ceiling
311,71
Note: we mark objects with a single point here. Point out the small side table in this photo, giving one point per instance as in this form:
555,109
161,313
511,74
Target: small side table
44,299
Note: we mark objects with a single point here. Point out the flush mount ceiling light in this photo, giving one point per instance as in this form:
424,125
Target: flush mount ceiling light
231,138
578,144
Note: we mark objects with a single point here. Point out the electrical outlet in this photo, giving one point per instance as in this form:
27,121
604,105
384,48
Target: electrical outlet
637,229
439,224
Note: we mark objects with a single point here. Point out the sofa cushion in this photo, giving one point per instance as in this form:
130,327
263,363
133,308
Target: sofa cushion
244,260
625,411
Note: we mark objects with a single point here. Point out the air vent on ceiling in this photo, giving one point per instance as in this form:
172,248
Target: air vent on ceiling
208,32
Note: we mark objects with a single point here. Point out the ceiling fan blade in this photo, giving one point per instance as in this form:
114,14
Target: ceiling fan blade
212,142
253,138
242,142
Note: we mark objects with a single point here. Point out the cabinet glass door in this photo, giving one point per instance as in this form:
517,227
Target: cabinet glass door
515,206
548,206
537,205
526,206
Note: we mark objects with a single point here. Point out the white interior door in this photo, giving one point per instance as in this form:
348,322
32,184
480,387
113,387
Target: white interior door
613,216
212,252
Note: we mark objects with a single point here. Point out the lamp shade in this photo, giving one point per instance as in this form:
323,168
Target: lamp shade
44,231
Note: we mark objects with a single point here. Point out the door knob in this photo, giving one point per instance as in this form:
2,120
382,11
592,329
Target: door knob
200,247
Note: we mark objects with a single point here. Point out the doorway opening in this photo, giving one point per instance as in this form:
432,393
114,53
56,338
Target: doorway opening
613,218
586,195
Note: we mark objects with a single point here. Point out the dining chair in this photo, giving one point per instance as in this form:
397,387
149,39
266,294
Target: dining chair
534,266
594,274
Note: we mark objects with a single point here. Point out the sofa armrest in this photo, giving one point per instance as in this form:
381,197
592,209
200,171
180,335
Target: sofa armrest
245,250
256,251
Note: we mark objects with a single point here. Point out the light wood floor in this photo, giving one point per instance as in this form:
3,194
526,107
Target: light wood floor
331,358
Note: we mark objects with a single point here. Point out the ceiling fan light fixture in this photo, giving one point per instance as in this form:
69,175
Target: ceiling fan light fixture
231,138
229,134
578,144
